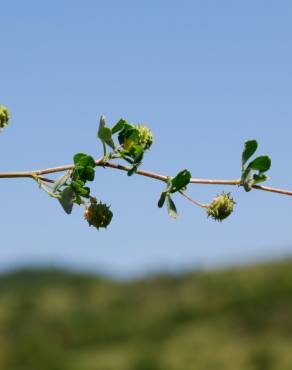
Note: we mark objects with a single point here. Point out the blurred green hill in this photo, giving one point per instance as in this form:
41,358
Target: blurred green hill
240,319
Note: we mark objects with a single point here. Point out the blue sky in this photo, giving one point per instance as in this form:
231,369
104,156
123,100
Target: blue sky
204,75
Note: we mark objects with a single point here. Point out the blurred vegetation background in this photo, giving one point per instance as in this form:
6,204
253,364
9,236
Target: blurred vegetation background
239,319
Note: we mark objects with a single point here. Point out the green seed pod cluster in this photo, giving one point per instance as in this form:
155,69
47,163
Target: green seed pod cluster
145,136
4,116
221,207
98,215
136,135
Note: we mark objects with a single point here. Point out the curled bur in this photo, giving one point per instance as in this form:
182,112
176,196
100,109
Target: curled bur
4,116
97,214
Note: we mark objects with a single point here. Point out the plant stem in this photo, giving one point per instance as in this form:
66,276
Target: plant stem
153,175
202,205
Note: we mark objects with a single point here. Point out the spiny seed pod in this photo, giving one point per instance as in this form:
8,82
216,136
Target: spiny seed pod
145,136
98,214
4,116
221,207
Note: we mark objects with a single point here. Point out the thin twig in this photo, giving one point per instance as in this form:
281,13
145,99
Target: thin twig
215,182
44,179
45,171
273,190
202,205
153,175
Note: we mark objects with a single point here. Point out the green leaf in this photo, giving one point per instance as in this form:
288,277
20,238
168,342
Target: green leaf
133,156
84,192
162,199
83,160
101,122
76,184
133,133
87,161
136,152
79,188
262,163
67,199
61,181
171,208
77,157
119,126
83,174
105,133
180,181
128,136
89,173
249,149
261,177
84,168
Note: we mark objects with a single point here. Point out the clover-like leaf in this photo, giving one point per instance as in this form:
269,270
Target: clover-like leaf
84,167
261,163
258,178
119,126
84,192
77,157
104,133
180,181
162,199
249,149
67,199
86,161
89,173
171,208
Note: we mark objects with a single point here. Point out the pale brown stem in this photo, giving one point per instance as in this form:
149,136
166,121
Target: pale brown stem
215,182
153,175
273,190
202,205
